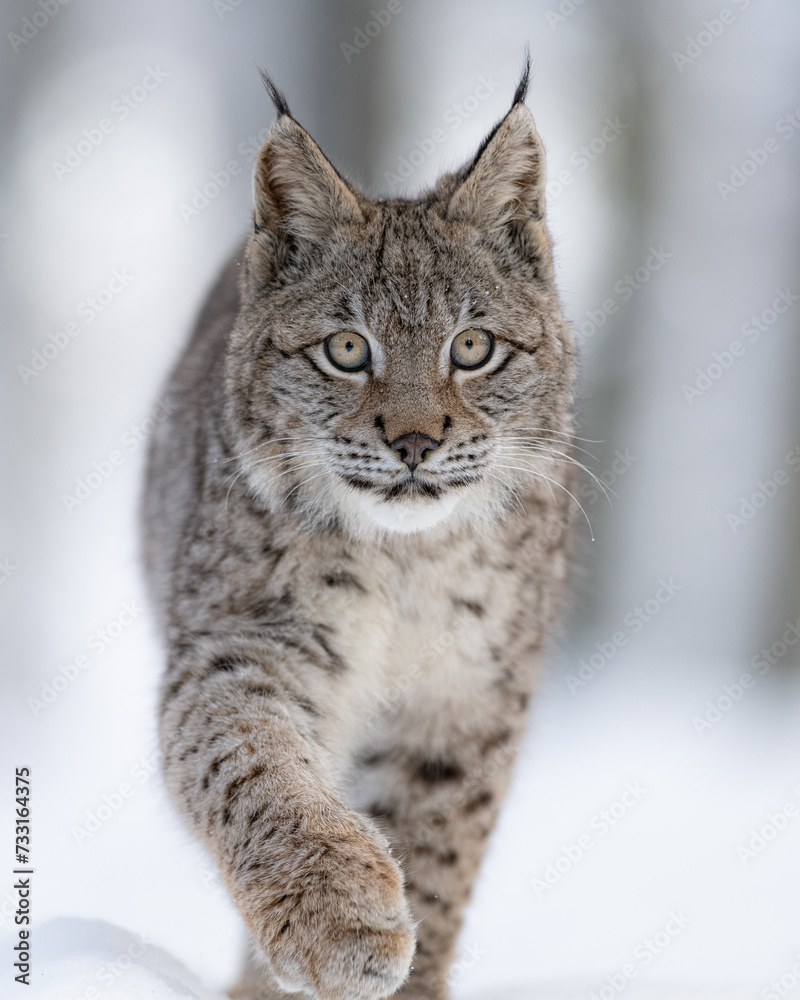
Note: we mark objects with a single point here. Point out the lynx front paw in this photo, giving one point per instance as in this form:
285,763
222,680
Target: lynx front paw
341,928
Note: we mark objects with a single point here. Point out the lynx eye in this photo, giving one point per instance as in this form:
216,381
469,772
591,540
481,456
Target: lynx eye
347,350
471,348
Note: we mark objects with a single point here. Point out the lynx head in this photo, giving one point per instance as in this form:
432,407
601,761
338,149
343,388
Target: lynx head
398,363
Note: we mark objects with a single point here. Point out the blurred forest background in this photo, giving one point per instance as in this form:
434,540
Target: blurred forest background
673,137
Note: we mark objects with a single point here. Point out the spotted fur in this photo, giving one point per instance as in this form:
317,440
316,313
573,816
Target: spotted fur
352,644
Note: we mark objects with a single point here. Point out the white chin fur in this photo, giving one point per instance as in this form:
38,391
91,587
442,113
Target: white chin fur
406,517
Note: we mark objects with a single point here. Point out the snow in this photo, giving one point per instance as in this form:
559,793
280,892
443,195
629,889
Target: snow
93,960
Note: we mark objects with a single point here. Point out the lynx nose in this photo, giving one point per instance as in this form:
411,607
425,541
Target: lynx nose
413,448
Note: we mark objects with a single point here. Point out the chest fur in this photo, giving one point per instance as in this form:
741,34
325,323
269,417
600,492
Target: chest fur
424,640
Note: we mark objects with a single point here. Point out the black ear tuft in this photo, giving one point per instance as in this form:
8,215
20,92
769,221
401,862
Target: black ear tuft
522,87
519,96
278,96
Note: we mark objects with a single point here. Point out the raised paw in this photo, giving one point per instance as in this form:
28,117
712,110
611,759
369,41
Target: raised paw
334,920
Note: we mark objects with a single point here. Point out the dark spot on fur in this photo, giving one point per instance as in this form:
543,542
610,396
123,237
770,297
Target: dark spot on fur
337,664
215,765
449,857
474,607
226,664
433,770
284,928
258,690
271,610
496,741
358,483
175,686
304,703
380,811
233,789
480,801
343,579
503,364
184,716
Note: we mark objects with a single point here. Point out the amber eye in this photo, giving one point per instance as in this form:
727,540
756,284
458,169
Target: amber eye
471,348
347,350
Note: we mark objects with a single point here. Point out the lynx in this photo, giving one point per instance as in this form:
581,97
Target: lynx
356,539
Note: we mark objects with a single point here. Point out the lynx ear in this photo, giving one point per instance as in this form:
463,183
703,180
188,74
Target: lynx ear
296,189
504,186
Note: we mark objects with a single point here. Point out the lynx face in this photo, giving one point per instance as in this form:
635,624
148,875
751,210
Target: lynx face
398,363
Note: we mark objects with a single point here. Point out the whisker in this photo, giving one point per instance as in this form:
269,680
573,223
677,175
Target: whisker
263,444
241,472
566,434
325,472
283,454
519,450
294,468
509,486
534,437
541,475
261,461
